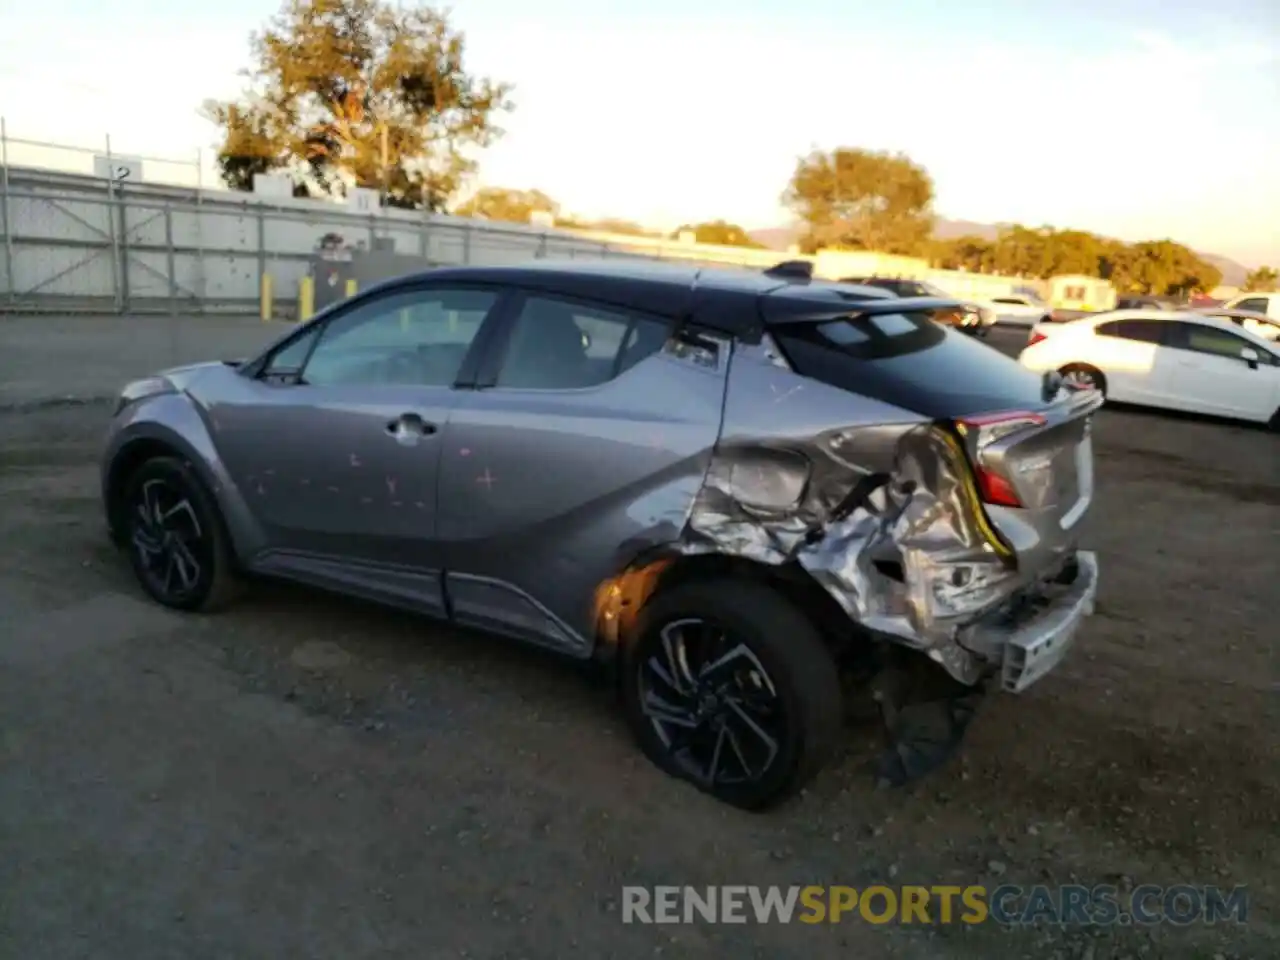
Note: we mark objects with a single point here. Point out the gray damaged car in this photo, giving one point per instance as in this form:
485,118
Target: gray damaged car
753,496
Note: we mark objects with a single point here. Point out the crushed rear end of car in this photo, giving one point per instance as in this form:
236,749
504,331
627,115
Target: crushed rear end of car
932,487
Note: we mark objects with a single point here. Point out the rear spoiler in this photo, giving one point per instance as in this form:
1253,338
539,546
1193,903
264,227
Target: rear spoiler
871,308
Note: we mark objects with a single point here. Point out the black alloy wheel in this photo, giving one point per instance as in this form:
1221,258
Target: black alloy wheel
729,686
712,704
174,537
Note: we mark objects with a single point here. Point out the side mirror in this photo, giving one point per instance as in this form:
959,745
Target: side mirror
1250,356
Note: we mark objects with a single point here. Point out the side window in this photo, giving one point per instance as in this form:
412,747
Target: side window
561,345
287,362
417,337
1141,331
1201,339
1256,304
1012,301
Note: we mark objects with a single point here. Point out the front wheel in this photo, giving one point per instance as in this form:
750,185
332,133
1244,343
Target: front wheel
177,544
728,686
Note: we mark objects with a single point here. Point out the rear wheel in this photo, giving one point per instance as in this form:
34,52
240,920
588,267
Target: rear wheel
730,687
1081,376
177,544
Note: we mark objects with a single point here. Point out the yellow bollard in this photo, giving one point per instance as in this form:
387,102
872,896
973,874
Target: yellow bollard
264,306
351,286
306,298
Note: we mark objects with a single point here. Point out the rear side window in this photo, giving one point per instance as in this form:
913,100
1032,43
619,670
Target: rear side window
1256,304
911,362
1142,331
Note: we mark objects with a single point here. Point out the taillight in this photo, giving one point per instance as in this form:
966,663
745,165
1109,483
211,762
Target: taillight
986,429
1036,337
995,489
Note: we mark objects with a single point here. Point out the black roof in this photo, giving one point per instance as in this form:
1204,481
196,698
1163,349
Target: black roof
727,299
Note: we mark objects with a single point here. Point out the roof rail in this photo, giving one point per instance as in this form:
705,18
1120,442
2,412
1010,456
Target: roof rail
793,269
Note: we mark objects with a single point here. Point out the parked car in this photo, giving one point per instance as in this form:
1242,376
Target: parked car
1146,302
735,489
1256,323
1022,309
1180,361
969,317
1267,304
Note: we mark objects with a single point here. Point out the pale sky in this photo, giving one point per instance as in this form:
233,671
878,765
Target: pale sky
1131,118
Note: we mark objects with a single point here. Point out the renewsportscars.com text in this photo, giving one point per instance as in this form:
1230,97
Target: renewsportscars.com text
1008,904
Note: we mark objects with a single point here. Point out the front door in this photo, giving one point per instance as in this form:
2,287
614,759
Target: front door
1212,376
336,445
588,443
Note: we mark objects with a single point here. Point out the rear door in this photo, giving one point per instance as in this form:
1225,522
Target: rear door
586,440
1130,353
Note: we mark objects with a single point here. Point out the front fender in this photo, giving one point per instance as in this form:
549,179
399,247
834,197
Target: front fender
173,424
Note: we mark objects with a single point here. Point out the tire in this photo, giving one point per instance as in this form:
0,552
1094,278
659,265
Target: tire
1084,375
774,673
176,538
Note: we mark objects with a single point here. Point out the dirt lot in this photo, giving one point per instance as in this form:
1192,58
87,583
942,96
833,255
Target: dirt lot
308,777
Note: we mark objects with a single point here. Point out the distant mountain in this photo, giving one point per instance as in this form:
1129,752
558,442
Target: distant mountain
780,238
1233,273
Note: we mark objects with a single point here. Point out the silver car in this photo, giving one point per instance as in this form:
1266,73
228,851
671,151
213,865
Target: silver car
748,494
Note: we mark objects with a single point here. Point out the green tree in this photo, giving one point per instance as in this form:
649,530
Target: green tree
1073,252
364,90
971,253
512,206
1264,280
862,199
718,231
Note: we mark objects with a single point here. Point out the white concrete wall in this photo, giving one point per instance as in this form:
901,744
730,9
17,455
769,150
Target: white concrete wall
70,243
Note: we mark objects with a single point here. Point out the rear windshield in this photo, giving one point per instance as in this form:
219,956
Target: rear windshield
911,362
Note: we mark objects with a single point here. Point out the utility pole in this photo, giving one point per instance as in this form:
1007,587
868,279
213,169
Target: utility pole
382,198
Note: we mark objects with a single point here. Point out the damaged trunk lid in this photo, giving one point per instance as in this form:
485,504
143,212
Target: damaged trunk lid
1022,438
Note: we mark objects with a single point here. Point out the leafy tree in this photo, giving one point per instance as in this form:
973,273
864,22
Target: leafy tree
1264,280
512,206
862,199
718,231
362,91
971,253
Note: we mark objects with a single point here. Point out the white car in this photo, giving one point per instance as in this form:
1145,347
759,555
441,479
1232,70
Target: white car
1255,322
1182,361
1267,304
1021,309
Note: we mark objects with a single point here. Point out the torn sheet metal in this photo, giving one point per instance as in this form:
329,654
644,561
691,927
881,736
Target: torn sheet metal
885,518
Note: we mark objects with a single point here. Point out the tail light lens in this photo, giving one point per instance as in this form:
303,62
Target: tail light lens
985,429
1036,337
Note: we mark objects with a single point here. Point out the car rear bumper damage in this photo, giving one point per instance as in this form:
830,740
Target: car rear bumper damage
1030,636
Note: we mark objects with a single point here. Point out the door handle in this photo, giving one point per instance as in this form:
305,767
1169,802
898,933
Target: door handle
409,427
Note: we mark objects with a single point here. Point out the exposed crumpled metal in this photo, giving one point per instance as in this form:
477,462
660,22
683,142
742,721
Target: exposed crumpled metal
903,551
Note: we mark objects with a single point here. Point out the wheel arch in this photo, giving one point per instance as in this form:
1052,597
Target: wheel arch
620,599
189,441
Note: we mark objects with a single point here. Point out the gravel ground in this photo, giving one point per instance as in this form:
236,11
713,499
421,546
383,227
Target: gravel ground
305,776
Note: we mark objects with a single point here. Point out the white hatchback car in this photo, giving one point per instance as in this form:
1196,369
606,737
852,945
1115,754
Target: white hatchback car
1181,361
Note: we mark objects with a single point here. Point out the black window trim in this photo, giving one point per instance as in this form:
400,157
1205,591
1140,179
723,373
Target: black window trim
259,368
495,355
